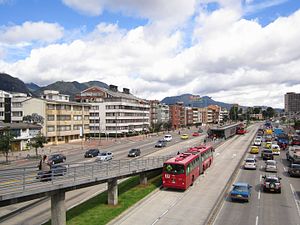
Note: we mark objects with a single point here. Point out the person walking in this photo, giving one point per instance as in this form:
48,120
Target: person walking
45,168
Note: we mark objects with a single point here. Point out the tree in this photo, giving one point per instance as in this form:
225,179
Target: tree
5,142
257,110
233,113
34,118
38,142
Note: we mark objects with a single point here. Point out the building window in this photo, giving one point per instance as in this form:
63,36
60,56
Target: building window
63,107
17,114
77,108
50,106
76,127
50,128
86,117
77,117
50,117
86,126
63,117
63,127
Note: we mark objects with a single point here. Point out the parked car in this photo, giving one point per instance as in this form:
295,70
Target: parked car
56,170
160,144
294,170
56,158
271,166
240,191
104,156
250,163
134,152
267,154
168,137
271,183
254,149
195,134
91,153
184,136
200,130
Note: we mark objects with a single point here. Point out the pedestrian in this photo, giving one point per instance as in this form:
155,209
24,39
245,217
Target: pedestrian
45,168
178,152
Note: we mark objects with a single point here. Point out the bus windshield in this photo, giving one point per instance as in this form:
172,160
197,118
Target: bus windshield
173,168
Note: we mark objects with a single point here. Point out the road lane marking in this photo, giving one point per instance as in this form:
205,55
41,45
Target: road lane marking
256,220
260,178
258,194
297,201
284,169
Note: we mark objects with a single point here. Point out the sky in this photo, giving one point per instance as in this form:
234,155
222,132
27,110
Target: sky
235,51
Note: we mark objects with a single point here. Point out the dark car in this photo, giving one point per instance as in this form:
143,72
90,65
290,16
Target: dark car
56,158
56,170
134,152
294,170
271,183
160,144
240,191
91,153
267,154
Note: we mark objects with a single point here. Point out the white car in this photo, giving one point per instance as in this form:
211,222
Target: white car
271,166
250,163
257,142
275,149
168,137
104,156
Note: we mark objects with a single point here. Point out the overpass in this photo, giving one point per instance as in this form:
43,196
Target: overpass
21,184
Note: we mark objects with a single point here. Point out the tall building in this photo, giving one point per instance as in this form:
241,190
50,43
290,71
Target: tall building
11,109
197,116
189,116
64,121
177,115
292,102
153,111
115,112
163,113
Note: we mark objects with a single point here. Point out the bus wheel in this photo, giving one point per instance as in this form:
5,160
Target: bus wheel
193,178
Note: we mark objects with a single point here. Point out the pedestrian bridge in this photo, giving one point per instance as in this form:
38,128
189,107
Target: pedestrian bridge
21,184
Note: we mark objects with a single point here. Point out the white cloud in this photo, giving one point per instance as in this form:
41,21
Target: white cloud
230,58
31,31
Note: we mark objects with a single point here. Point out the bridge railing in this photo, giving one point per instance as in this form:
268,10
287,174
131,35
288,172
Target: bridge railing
28,179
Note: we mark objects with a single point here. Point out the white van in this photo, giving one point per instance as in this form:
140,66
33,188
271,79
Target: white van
168,137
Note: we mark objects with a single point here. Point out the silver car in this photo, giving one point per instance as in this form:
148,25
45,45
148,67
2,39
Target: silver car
271,166
104,156
250,163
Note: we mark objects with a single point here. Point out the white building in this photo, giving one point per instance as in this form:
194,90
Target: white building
115,112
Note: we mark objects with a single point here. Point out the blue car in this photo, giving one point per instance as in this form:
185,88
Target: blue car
240,191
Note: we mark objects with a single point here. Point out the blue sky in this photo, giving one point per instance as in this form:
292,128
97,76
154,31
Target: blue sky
157,48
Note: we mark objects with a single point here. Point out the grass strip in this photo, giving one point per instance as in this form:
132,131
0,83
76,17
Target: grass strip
96,211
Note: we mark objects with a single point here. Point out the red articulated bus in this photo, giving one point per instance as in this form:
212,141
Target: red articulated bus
181,171
205,153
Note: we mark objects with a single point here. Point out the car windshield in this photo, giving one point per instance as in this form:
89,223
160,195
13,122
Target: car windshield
173,168
268,151
133,150
271,179
297,166
250,160
271,163
103,153
240,188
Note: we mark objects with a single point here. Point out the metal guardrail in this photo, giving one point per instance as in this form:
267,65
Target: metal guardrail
23,181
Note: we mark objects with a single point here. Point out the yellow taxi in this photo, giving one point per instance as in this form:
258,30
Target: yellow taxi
184,136
254,149
268,144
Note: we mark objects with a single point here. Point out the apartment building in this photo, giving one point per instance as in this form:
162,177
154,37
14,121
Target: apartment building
292,103
177,115
114,112
64,121
189,114
197,116
11,106
223,115
154,111
163,113
213,114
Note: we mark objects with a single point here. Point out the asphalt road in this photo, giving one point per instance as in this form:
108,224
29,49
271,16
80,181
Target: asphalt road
41,212
264,208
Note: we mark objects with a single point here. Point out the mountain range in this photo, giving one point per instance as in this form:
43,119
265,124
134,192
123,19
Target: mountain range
12,84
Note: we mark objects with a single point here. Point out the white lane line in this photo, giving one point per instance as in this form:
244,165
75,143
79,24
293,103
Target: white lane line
297,202
256,220
284,169
258,194
260,178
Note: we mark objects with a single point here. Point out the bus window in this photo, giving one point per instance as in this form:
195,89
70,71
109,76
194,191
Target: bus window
174,168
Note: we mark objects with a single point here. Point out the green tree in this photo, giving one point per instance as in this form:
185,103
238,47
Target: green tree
233,113
5,142
257,110
38,142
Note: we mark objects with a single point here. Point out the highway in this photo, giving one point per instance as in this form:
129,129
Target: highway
264,208
40,212
193,205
